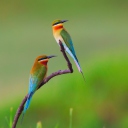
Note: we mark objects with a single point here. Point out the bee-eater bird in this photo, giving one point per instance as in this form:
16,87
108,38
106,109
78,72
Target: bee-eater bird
37,74
60,34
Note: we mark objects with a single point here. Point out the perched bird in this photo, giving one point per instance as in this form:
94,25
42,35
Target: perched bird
37,74
60,34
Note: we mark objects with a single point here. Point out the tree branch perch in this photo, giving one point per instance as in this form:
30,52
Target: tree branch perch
44,81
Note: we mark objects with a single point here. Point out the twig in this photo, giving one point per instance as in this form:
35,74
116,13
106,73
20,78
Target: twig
44,81
19,111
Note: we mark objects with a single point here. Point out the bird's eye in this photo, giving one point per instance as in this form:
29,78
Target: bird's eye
39,59
56,23
42,58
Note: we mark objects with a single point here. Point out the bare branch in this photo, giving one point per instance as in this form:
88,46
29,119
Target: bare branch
44,81
19,111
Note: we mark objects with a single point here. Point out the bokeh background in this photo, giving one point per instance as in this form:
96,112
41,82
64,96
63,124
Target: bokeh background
99,30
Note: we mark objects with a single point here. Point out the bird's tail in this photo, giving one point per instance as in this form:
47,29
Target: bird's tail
78,66
75,60
28,101
29,98
77,63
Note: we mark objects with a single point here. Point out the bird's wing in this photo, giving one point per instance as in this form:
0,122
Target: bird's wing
32,83
36,78
68,41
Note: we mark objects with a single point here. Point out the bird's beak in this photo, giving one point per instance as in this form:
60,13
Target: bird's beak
51,56
62,21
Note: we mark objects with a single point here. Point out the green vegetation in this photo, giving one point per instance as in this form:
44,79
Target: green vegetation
99,32
9,122
39,125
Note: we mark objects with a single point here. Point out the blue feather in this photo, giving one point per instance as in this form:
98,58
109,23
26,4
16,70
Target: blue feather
29,98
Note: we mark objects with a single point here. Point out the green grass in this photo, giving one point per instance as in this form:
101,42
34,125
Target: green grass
39,125
10,120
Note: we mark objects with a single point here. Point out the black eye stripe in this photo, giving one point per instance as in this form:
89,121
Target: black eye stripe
42,58
56,23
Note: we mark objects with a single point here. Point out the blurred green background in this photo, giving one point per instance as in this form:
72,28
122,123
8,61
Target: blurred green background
99,30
